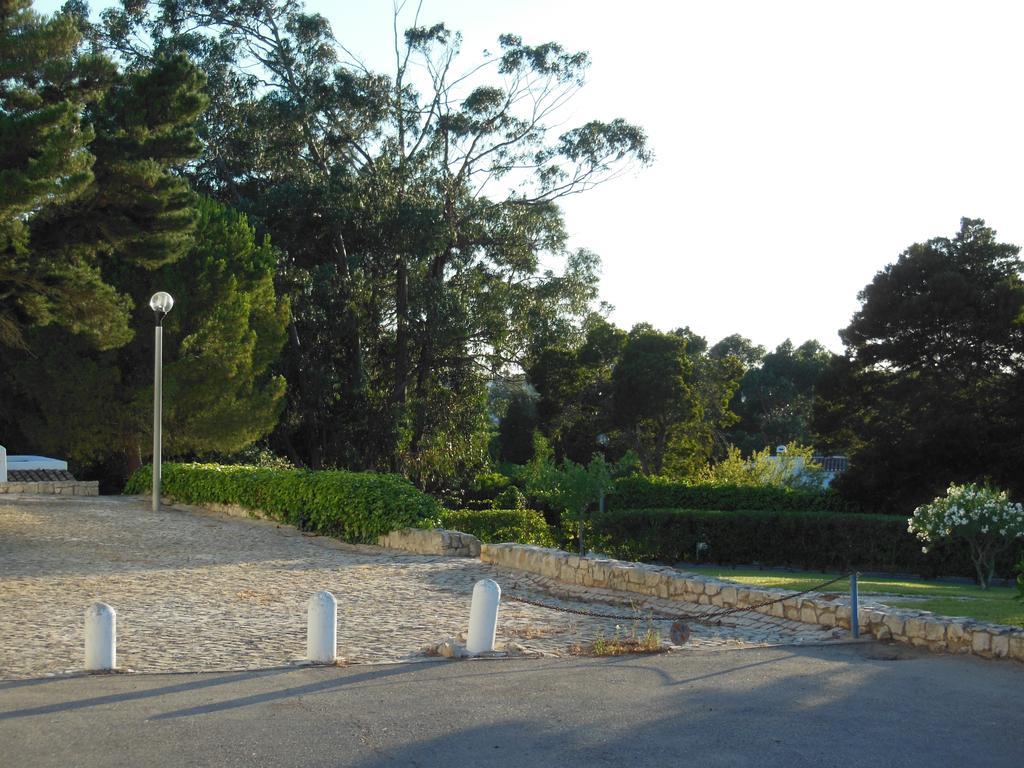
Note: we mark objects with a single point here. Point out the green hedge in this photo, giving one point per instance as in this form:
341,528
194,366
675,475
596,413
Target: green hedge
810,540
354,506
521,526
639,492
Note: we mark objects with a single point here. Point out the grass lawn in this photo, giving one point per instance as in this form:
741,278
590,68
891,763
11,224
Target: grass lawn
994,604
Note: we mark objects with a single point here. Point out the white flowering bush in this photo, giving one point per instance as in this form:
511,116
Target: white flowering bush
983,517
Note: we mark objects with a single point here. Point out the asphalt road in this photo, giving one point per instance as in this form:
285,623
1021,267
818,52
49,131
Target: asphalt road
852,705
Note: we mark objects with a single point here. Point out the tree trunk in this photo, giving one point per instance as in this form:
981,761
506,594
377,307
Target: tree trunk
131,459
401,381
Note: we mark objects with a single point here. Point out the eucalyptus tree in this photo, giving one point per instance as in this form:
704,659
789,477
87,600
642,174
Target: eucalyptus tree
414,210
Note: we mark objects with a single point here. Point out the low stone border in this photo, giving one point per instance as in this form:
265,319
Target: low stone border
917,628
432,542
55,487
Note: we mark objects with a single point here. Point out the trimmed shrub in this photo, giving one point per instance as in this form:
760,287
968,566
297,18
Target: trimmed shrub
353,506
494,526
482,492
640,492
812,540
982,517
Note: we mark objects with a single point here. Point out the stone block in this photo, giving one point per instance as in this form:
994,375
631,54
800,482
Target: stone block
894,624
729,596
956,634
619,577
676,586
634,576
934,631
981,642
914,628
550,568
873,618
1017,646
1000,645
712,588
808,615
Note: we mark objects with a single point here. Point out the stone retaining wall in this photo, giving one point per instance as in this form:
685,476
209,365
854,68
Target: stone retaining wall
918,628
56,487
432,542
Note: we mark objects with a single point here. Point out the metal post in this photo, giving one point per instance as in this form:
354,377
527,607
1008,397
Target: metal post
483,617
158,375
854,607
100,637
322,628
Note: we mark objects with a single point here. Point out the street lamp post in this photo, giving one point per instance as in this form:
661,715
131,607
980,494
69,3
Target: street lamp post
161,304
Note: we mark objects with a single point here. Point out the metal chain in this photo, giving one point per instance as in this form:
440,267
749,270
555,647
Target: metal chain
712,617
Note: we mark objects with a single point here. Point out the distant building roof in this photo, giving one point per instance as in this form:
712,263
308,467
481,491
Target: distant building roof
835,464
21,463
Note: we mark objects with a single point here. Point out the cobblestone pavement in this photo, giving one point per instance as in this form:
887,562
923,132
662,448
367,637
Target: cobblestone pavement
197,590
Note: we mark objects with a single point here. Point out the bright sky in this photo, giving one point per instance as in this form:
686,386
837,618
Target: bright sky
800,146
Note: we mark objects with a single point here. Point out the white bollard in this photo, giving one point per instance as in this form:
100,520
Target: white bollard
100,637
322,628
3,464
483,616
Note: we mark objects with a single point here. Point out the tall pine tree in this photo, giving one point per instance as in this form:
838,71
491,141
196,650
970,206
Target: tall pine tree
44,161
220,340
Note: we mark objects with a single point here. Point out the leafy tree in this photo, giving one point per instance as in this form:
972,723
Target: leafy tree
983,518
575,387
795,468
45,161
573,488
515,433
740,347
695,441
413,212
662,395
652,392
775,397
225,331
928,391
